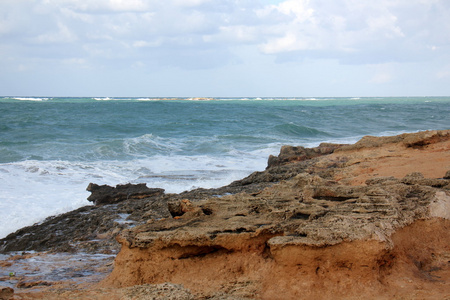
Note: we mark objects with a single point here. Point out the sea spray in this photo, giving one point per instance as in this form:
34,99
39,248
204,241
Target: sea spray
51,148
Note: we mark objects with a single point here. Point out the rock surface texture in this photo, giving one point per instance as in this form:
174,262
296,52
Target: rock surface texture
341,227
369,220
105,194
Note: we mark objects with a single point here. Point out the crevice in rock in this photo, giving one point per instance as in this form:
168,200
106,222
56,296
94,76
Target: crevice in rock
332,198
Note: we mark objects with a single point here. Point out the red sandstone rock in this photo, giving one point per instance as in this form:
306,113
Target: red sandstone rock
370,220
310,236
6,293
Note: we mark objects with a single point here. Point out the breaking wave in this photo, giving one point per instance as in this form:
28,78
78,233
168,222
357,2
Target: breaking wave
292,129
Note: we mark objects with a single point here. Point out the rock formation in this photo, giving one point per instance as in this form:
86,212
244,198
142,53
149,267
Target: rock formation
369,220
6,293
320,233
289,154
105,194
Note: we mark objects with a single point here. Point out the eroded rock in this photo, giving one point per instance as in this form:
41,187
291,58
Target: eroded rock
305,221
105,194
290,154
6,293
367,219
307,208
313,226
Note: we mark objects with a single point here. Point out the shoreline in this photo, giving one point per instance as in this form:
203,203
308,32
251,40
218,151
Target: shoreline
346,166
67,146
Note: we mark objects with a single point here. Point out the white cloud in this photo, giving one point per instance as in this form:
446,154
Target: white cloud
289,42
62,34
102,6
144,44
299,9
209,34
377,30
79,62
189,3
233,34
372,31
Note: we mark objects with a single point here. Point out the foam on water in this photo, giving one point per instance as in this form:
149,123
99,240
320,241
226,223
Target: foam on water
52,148
33,190
103,99
30,99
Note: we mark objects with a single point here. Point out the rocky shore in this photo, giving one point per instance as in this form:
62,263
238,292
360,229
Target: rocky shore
368,220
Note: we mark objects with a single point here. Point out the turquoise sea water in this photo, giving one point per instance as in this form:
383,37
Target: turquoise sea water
51,148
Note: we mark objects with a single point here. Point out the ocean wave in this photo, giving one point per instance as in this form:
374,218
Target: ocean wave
103,98
312,100
292,129
146,99
246,142
49,153
54,187
149,144
30,99
4,127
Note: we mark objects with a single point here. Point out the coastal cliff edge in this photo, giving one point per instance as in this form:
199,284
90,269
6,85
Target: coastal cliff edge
367,220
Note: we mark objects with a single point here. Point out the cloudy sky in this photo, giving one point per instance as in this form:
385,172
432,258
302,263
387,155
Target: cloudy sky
224,48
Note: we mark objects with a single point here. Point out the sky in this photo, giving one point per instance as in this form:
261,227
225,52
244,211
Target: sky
224,48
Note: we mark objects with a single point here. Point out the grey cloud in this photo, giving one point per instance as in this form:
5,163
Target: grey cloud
207,33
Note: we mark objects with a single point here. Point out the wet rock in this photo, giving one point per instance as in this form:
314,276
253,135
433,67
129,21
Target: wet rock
304,218
90,228
105,194
76,230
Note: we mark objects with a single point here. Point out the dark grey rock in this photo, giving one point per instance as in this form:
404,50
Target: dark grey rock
105,194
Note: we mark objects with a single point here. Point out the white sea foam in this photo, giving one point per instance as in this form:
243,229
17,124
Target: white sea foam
147,99
103,99
188,148
34,190
30,99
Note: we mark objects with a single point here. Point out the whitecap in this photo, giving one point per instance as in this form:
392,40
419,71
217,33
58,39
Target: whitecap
103,99
30,99
149,144
54,187
146,99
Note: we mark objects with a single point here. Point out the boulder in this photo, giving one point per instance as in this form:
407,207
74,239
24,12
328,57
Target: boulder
290,154
105,194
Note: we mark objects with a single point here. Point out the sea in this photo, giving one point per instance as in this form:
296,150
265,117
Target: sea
51,148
